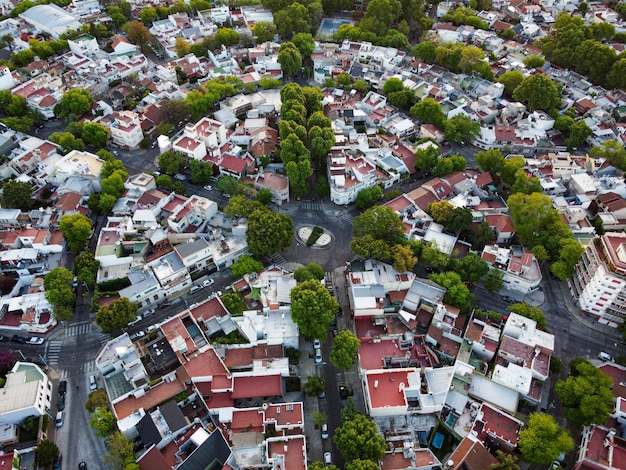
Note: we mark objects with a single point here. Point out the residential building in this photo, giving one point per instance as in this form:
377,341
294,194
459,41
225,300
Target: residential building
27,392
276,183
599,282
125,129
171,273
85,44
50,19
519,267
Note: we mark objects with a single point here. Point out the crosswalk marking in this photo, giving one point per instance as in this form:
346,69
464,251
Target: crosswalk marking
78,330
312,206
89,366
53,350
103,338
64,374
277,259
347,217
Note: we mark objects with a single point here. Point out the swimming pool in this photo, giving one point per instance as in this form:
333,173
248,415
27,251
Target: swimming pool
329,26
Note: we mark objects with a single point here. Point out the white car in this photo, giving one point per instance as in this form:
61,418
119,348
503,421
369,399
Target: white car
208,187
318,356
35,340
139,334
316,344
148,312
151,328
137,319
328,460
208,282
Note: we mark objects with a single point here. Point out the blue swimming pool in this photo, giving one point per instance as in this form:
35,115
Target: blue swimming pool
330,25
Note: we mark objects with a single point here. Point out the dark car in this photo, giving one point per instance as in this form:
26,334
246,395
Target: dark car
62,387
61,403
343,392
19,339
82,466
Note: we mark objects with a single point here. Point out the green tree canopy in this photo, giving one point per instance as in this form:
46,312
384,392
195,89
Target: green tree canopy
493,280
312,308
121,452
171,162
76,228
370,247
429,111
344,351
539,92
360,464
358,438
67,140
116,315
95,134
76,102
246,265
102,421
58,286
461,128
511,80
543,440
201,171
381,222
268,232
47,452
490,160
97,399
264,31
314,386
368,197
403,258
290,59
526,310
86,268
305,44
137,33
308,272
18,195
586,395
234,303
457,293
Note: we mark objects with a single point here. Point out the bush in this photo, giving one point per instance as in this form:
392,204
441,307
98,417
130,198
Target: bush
315,234
114,285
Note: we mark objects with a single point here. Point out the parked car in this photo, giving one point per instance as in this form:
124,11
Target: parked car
82,466
208,282
195,289
3,339
137,335
148,312
151,328
318,356
18,339
180,177
506,298
137,319
324,431
35,340
208,187
343,392
328,459
93,383
316,344
605,357
61,403
62,387
59,419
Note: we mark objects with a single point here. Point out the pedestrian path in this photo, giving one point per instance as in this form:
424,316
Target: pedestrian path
53,349
312,206
78,330
346,217
278,259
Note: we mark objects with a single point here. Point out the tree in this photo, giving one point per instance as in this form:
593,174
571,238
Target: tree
344,351
586,396
18,195
95,134
493,280
539,92
429,111
380,15
106,203
425,51
97,399
490,160
426,157
116,315
543,440
75,103
526,184
171,162
182,47
461,128
440,211
471,268
510,168
102,421
201,171
511,80
58,286
137,33
234,303
47,452
164,181
381,222
293,150
312,308
121,452
289,59
358,438
113,185
578,133
67,140
305,44
368,197
321,466
403,258
534,61
264,31
226,37
457,293
86,268
264,196
431,254
308,272
613,152
370,247
314,386
298,174
506,461
239,206
268,232
149,15
529,311
392,85
246,265
360,464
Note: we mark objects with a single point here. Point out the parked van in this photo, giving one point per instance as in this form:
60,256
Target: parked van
59,420
93,385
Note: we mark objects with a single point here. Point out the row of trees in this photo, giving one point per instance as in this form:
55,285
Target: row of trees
455,56
457,129
16,113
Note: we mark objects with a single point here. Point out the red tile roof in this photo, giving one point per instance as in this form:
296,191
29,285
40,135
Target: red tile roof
257,387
